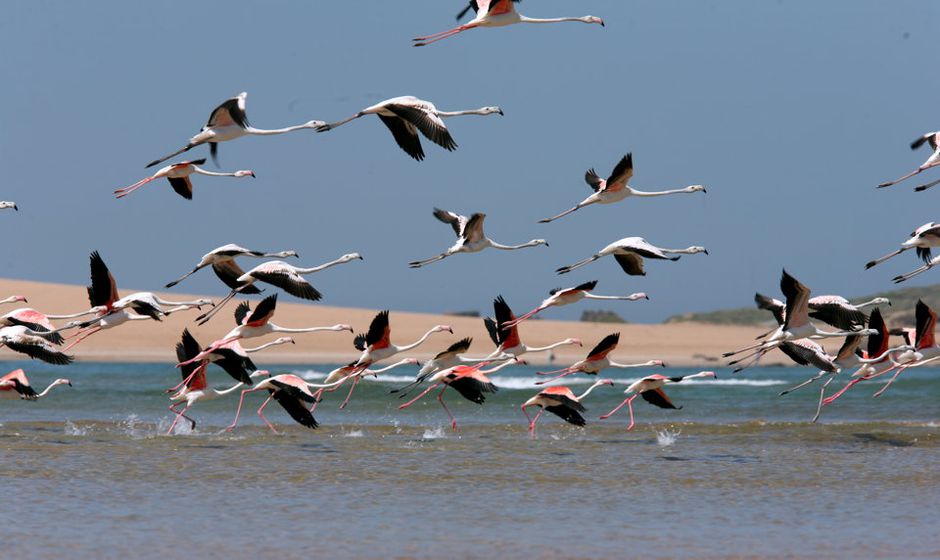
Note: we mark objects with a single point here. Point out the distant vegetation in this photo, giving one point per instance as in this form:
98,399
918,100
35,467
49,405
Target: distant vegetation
901,311
470,313
601,316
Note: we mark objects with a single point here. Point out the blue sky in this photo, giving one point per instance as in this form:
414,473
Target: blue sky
788,111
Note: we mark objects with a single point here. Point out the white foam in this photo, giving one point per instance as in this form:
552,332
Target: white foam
72,430
354,434
665,438
435,433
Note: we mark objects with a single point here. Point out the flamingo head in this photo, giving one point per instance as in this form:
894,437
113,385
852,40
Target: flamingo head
537,242
696,249
342,327
593,19
314,124
605,381
638,295
659,363
574,341
12,299
876,301
245,173
696,188
491,110
285,254
711,374
441,328
61,381
351,257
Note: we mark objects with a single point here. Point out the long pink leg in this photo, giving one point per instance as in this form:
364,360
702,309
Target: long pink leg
528,418
188,378
550,379
837,394
442,36
128,190
263,417
630,407
440,399
822,394
536,419
349,394
920,169
316,400
513,323
890,381
614,411
88,333
178,416
425,392
238,411
438,34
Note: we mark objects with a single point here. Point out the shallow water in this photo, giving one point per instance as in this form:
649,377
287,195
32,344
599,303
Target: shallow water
738,471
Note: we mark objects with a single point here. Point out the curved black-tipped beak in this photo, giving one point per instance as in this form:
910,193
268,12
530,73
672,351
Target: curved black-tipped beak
253,175
15,207
705,251
603,24
501,112
70,383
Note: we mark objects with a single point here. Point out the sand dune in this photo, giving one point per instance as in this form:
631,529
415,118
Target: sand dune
681,344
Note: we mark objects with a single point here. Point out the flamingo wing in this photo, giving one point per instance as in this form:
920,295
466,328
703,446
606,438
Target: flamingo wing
183,186
604,347
657,397
563,396
472,389
406,136
621,174
473,230
20,384
241,312
230,112
926,319
380,333
229,272
39,329
456,221
567,414
263,312
427,122
458,347
103,289
838,312
806,352
797,311
492,330
294,406
773,305
508,337
289,281
235,365
187,349
849,347
41,351
877,343
631,263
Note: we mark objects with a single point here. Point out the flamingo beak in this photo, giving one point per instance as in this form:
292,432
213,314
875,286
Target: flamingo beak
253,175
501,112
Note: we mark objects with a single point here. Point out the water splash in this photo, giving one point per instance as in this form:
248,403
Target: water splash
72,430
665,438
354,434
436,433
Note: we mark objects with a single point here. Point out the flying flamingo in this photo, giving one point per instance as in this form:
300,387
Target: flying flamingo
222,261
615,188
257,322
14,299
507,340
470,237
470,381
932,138
282,275
651,389
445,359
630,252
917,271
15,385
566,296
796,324
923,239
37,321
228,121
178,176
496,13
342,374
8,204
596,361
116,318
832,310
407,115
291,392
34,344
562,402
376,345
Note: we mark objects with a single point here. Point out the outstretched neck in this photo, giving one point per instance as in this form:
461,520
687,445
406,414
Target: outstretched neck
591,388
644,364
55,383
268,132
308,329
868,303
232,389
635,192
323,266
549,347
418,342
693,376
495,245
445,114
494,369
393,366
525,19
263,346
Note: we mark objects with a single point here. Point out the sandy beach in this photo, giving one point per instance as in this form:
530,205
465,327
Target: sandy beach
683,344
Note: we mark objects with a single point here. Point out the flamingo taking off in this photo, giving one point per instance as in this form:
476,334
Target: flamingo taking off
470,237
34,344
615,188
228,121
496,13
15,385
562,402
178,176
507,340
407,115
651,389
832,310
923,239
470,381
282,275
630,252
597,360
932,138
291,392
566,296
222,261
342,374
37,321
442,360
376,345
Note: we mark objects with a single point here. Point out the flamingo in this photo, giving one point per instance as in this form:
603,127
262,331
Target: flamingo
291,392
282,275
630,252
116,318
37,321
407,115
597,360
14,299
923,239
228,121
254,323
442,360
15,385
376,345
917,271
5,204
615,188
178,176
832,310
651,389
342,374
34,344
496,13
932,138
507,340
562,402
470,381
222,261
470,237
796,324
566,296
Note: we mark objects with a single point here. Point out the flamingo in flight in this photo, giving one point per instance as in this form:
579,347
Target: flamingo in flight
37,321
254,323
651,389
917,271
597,360
342,374
470,381
796,324
932,138
407,115
5,204
507,340
922,239
15,385
630,252
178,176
228,121
376,345
470,237
615,188
496,13
222,261
562,402
282,275
34,344
291,392
445,359
832,310
567,296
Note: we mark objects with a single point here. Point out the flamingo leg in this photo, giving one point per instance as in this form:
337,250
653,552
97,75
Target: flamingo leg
536,419
822,394
263,417
180,415
440,399
205,317
185,381
890,381
614,411
917,171
830,399
550,379
812,379
120,193
425,392
348,395
238,411
81,336
630,407
927,186
514,322
316,400
435,37
740,350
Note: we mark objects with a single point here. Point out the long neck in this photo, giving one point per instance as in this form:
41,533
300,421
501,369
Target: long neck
202,171
644,364
687,251
591,388
494,369
91,311
445,114
263,346
232,389
10,299
693,376
631,297
276,328
393,366
188,304
268,132
883,355
179,307
549,347
321,267
525,19
867,303
417,342
45,391
495,245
